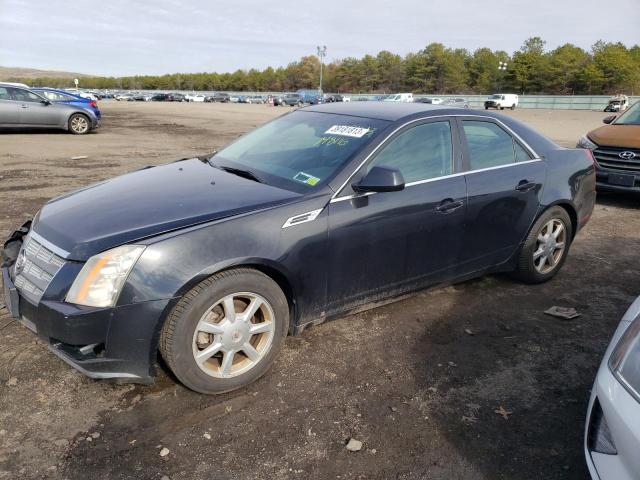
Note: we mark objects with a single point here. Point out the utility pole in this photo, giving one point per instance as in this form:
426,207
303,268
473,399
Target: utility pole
502,66
322,52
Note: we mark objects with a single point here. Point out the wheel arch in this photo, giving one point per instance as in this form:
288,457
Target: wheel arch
78,112
571,211
271,269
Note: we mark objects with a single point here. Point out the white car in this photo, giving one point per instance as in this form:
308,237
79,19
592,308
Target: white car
502,101
400,97
612,433
196,98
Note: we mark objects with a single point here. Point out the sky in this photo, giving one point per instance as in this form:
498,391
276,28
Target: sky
119,37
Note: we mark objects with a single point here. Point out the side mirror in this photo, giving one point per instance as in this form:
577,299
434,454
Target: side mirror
609,119
45,102
380,179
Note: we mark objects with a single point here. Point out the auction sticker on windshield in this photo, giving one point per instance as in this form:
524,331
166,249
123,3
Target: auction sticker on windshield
347,131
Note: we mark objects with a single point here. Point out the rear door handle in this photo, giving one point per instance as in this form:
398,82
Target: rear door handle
525,186
449,205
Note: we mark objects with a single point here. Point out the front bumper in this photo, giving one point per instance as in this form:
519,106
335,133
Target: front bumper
119,342
621,414
604,179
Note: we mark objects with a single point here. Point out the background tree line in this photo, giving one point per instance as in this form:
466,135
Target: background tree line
568,70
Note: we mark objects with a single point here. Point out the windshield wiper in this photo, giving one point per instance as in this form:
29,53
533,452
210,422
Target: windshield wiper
240,172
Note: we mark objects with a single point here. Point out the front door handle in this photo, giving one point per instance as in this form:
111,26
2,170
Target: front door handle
449,205
525,186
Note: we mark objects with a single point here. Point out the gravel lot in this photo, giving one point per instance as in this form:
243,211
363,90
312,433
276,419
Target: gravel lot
417,381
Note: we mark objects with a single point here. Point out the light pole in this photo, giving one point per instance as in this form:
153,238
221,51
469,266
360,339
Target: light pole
322,52
502,66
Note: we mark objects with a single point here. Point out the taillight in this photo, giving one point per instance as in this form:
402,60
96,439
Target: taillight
93,104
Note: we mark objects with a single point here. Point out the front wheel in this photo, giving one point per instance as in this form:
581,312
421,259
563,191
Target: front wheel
546,247
226,332
79,124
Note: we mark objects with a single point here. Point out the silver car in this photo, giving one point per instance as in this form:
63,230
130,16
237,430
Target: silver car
22,108
612,436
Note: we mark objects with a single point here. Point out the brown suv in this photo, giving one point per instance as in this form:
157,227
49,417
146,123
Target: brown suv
616,148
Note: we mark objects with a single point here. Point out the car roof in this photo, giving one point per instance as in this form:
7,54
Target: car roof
380,110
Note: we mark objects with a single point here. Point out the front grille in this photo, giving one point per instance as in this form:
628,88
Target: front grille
608,158
35,268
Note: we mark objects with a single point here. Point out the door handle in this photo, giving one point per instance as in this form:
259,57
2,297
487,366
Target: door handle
525,186
24,106
449,205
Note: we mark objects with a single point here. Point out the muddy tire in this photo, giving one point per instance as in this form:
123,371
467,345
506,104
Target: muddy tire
546,247
225,332
79,124
513,107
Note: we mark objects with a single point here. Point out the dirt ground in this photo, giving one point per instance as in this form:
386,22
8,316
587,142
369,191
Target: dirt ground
417,381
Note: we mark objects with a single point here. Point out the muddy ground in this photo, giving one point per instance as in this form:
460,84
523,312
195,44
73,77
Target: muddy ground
417,381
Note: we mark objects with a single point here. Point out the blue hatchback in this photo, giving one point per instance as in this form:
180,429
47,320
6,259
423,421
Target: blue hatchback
61,96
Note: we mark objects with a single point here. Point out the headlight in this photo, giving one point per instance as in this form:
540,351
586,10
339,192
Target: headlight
624,362
584,142
99,282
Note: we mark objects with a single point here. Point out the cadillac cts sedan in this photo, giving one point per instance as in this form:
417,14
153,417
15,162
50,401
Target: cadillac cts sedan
212,261
612,436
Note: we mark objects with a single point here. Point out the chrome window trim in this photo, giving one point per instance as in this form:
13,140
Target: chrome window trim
536,157
435,179
46,243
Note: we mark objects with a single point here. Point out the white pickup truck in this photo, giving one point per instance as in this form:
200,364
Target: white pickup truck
501,101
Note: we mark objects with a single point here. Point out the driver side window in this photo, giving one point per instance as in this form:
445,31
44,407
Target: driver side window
420,153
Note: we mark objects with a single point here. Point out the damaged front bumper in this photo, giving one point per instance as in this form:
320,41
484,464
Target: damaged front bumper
118,342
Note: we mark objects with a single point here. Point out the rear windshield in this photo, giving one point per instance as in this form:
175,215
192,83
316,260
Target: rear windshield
630,117
302,150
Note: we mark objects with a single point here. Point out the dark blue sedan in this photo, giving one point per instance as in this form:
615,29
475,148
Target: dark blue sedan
212,261
61,96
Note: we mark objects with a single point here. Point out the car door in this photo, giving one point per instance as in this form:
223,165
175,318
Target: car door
9,108
504,185
386,243
34,111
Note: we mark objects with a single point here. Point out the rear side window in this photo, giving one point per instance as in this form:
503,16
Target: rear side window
4,94
420,153
491,146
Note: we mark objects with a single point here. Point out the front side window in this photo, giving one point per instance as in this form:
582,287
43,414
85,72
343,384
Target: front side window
24,95
302,150
489,145
420,153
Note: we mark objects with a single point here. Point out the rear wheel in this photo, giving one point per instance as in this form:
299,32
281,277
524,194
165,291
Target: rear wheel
546,247
513,107
226,332
79,124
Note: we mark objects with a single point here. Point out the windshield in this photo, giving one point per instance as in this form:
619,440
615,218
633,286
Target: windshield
630,117
302,150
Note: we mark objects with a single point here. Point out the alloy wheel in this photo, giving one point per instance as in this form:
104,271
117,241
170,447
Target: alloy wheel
233,335
550,246
79,124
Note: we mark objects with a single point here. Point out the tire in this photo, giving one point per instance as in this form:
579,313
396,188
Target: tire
486,108
181,339
79,124
501,108
530,268
513,107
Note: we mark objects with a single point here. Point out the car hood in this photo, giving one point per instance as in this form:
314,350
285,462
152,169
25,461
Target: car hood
149,202
617,135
